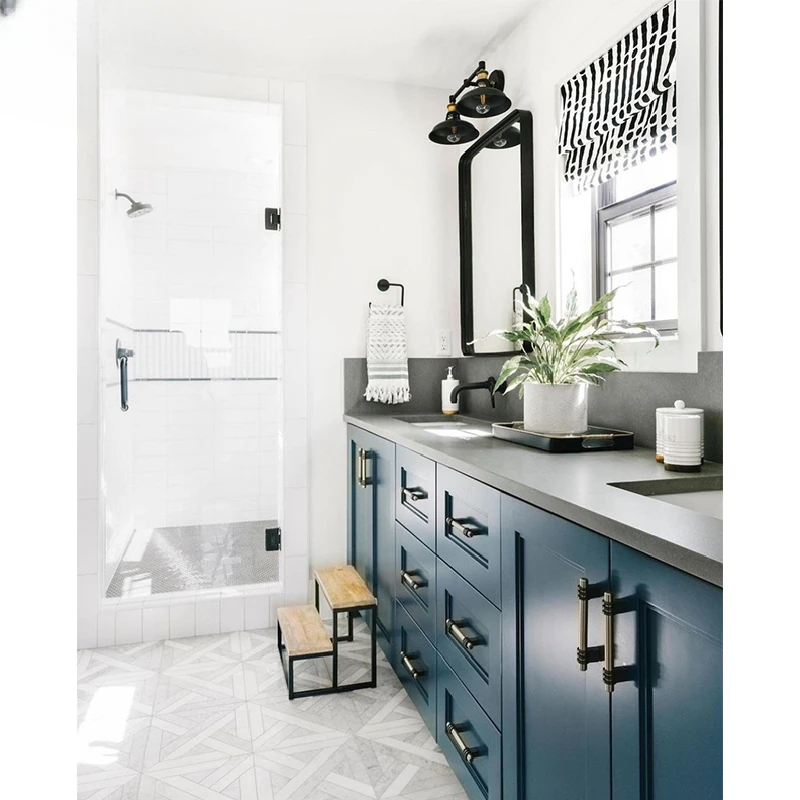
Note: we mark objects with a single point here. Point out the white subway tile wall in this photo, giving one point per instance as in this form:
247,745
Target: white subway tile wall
201,229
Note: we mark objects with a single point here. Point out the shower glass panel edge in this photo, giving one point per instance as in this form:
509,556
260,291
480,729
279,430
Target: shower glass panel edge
192,472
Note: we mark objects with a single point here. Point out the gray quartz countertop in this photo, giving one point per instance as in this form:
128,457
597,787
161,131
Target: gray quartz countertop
576,486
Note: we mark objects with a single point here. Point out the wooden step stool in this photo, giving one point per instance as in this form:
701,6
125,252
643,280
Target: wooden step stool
302,633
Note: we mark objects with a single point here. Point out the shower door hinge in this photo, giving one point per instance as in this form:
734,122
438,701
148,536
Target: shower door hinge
272,219
272,540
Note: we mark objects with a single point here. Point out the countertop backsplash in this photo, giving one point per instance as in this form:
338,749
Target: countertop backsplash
627,400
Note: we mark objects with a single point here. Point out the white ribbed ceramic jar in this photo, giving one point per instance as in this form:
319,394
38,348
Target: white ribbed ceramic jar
682,435
679,409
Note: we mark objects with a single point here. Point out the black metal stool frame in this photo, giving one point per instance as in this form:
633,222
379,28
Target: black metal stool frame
288,662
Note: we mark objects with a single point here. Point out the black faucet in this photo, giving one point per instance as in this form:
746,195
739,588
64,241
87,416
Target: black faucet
463,387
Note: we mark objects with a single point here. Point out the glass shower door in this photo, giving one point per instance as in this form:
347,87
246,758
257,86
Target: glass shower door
192,471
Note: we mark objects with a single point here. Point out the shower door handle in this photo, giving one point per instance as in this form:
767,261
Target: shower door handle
123,354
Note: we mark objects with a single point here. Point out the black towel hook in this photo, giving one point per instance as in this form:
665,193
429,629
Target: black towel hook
384,285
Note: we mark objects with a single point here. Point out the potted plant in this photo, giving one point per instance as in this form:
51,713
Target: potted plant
560,358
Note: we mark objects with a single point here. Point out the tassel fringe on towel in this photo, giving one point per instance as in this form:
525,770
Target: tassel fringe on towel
387,361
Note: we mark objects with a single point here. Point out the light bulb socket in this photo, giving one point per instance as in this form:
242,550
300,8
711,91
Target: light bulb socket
453,129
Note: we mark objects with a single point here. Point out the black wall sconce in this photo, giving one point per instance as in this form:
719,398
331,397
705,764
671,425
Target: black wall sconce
485,98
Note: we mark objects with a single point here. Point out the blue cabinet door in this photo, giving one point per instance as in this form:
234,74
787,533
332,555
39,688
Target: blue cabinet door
555,716
371,522
381,472
360,509
667,700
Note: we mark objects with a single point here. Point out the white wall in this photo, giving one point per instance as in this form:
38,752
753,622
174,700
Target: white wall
557,39
382,203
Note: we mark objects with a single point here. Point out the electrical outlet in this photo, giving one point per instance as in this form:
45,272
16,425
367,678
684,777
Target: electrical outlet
443,343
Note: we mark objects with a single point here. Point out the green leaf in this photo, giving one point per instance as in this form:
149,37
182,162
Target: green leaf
509,368
544,309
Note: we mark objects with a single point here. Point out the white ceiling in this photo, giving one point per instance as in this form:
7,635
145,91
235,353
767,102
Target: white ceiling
420,42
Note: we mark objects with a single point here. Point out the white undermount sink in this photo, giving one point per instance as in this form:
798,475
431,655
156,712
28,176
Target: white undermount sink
452,427
708,502
701,493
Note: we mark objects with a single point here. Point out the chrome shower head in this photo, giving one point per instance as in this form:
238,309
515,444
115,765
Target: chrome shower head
137,209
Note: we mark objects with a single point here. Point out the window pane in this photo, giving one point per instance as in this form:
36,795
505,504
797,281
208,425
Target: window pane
667,291
666,232
632,302
655,172
629,243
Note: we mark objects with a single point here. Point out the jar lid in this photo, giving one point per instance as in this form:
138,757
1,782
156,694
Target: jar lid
680,408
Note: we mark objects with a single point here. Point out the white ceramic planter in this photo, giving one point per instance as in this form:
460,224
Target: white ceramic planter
555,408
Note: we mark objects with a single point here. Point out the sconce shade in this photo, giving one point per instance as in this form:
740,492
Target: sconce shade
483,101
453,130
505,140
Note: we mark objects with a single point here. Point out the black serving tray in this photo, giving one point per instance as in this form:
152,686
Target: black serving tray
592,439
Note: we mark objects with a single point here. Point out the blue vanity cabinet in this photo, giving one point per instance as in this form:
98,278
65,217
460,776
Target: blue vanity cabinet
555,717
666,707
506,660
370,507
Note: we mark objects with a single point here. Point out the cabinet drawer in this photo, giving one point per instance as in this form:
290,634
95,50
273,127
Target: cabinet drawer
415,497
468,530
468,739
415,664
415,580
468,636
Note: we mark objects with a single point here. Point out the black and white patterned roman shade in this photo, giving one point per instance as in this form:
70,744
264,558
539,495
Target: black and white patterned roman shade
621,109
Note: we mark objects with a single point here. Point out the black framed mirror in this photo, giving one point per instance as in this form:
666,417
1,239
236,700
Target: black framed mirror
495,196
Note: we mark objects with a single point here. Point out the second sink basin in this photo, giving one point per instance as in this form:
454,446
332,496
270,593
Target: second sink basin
701,493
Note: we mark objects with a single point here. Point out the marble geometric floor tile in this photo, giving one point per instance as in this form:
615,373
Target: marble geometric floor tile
208,718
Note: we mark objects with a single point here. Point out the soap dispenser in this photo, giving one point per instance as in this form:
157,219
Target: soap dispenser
448,384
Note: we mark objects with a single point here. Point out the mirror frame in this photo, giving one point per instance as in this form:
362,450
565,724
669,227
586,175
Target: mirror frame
528,275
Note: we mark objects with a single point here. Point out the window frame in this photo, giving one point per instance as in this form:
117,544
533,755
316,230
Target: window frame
606,209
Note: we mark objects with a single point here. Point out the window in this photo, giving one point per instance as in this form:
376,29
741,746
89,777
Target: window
637,242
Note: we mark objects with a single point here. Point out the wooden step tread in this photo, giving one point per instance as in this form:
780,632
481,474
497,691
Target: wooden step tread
303,631
343,587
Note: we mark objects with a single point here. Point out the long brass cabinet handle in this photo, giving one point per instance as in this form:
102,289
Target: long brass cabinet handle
411,581
454,735
405,660
583,622
466,530
586,655
414,495
608,668
467,642
363,480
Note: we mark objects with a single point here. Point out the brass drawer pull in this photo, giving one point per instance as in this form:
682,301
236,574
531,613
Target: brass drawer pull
586,655
411,581
467,530
405,660
467,642
414,495
454,735
608,669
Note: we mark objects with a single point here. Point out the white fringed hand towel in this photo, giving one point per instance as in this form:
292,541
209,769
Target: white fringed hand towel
387,362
